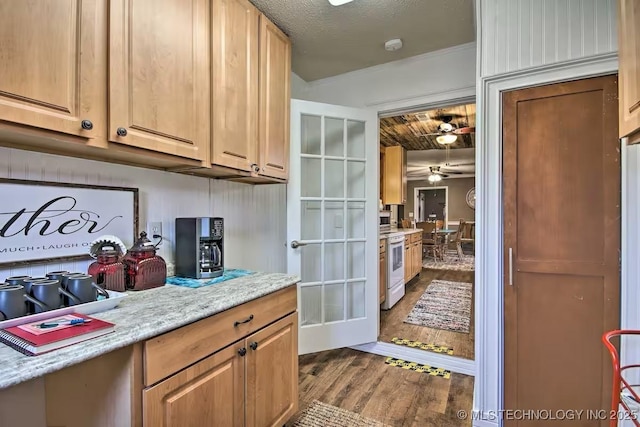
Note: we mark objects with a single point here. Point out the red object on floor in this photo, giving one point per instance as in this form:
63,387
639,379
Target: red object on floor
620,384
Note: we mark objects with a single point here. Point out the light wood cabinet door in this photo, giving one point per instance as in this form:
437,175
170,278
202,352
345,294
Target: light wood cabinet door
394,191
383,277
629,65
211,392
275,72
272,373
53,65
417,258
408,263
234,40
159,75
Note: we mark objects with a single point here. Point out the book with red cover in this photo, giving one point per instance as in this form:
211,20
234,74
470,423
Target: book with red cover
31,339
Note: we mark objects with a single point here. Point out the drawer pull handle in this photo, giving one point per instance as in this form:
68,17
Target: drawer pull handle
247,320
242,351
253,345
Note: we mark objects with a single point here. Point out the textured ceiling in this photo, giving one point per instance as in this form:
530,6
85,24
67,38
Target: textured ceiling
329,40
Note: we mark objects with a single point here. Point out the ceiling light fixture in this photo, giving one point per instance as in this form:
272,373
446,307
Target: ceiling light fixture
434,178
446,139
339,2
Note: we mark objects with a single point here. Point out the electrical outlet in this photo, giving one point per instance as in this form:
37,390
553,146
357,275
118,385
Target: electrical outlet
154,228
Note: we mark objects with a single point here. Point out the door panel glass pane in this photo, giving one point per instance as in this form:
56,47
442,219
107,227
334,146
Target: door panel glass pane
310,171
311,262
334,220
310,305
355,139
334,261
333,137
355,220
311,220
355,300
334,178
311,135
355,179
334,302
355,260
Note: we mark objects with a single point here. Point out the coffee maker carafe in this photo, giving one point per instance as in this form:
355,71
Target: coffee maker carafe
199,247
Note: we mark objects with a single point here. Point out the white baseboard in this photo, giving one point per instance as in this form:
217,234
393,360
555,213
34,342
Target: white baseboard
450,363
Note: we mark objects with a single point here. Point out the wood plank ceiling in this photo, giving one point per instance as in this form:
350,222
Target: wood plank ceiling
409,129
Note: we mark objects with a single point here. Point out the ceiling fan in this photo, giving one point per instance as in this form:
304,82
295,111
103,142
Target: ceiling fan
447,131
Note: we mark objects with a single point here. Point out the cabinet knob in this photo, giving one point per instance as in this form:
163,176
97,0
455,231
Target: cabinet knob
121,132
242,351
86,125
253,345
255,167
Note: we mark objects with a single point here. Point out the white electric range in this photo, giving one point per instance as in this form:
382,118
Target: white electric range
395,270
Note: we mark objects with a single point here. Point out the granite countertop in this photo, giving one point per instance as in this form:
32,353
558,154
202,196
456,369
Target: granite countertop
142,315
402,230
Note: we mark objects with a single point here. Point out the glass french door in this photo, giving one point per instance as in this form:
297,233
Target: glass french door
332,224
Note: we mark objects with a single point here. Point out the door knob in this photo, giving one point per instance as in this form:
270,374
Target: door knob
295,244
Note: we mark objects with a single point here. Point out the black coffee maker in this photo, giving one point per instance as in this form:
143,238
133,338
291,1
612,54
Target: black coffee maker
199,247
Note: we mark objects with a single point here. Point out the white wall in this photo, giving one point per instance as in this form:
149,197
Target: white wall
524,43
298,86
432,77
518,34
255,216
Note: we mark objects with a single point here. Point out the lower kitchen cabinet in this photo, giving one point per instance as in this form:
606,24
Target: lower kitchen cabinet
253,382
383,271
408,260
211,392
272,374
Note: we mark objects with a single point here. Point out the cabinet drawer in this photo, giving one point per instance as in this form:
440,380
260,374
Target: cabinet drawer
407,238
416,237
167,354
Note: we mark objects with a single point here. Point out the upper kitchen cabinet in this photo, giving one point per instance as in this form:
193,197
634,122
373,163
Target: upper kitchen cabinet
159,73
394,176
235,25
629,74
275,71
53,67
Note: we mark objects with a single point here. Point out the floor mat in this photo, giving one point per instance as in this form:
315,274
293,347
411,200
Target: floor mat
320,414
451,262
443,305
423,346
413,366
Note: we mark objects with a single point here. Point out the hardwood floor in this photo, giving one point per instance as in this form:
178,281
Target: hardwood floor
392,321
363,383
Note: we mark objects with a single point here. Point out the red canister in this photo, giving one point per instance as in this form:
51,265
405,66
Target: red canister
144,269
107,270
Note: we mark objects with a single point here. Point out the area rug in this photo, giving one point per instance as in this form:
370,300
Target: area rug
320,414
451,262
443,305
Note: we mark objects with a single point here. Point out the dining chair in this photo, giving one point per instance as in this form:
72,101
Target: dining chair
468,235
430,244
456,239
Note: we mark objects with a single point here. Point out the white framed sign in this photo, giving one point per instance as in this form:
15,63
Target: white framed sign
51,221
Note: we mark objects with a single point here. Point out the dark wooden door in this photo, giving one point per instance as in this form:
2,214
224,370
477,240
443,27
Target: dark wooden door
562,223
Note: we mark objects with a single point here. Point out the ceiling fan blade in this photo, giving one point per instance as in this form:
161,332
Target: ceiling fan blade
455,165
431,134
464,131
455,172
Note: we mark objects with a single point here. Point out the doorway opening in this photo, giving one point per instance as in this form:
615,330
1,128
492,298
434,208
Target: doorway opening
431,204
431,152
